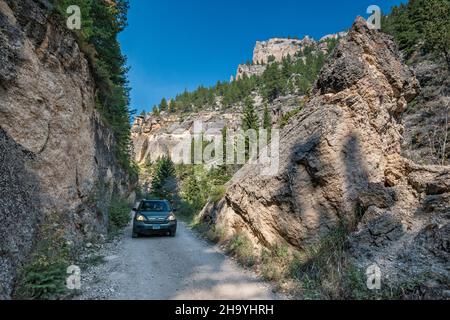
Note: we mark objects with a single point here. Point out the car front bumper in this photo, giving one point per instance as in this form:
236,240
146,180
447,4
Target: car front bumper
150,228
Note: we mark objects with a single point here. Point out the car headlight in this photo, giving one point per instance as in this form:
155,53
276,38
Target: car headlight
171,217
140,217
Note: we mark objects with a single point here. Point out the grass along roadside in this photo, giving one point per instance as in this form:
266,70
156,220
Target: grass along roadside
323,271
44,275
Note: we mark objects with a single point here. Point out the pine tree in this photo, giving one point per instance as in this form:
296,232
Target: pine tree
421,24
163,105
267,119
102,22
173,106
250,120
437,28
224,144
273,82
164,184
192,191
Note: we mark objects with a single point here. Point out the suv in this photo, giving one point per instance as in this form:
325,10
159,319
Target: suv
154,217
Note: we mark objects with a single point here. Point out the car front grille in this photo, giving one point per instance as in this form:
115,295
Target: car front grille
155,221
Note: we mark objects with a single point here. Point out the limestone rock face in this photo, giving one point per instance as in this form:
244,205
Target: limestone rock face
249,70
155,136
279,48
340,162
57,158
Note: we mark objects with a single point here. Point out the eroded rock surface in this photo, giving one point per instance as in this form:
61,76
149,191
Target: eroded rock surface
279,48
57,158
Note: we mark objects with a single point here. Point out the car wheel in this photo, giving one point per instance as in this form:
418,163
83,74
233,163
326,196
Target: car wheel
173,233
135,235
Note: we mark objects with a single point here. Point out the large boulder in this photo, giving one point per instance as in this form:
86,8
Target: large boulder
340,163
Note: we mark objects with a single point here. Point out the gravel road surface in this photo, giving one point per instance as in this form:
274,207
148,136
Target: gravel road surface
184,267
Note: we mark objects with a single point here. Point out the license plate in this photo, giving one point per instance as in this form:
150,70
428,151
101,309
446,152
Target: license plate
156,227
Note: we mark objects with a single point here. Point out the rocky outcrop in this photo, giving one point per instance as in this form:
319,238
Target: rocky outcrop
279,48
250,70
155,136
340,162
57,157
335,36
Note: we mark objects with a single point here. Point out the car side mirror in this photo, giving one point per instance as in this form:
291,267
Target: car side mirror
134,209
174,210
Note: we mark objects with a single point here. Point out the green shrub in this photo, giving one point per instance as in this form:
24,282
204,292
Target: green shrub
325,270
275,262
217,193
185,211
241,247
215,234
119,214
286,117
44,278
44,275
320,269
271,269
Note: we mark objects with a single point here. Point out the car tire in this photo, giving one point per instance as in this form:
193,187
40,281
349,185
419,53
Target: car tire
135,235
173,233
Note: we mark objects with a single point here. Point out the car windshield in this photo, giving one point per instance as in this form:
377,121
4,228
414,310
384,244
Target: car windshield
154,206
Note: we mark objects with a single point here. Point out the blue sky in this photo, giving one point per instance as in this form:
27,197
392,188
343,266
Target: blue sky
173,45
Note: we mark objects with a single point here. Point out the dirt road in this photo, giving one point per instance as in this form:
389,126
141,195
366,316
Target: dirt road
184,267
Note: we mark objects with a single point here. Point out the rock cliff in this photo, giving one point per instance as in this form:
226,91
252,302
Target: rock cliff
341,163
57,162
279,49
155,136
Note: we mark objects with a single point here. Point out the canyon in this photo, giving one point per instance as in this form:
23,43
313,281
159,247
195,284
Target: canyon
344,161
362,153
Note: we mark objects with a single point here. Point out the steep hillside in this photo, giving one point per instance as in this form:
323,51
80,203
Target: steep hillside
421,29
59,167
341,169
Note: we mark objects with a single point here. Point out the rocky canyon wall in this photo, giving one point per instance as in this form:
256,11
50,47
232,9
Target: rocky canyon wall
57,166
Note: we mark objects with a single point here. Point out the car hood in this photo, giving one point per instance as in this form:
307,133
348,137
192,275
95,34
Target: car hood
154,215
